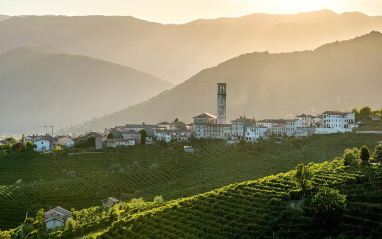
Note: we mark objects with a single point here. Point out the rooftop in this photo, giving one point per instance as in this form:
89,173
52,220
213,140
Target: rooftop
206,115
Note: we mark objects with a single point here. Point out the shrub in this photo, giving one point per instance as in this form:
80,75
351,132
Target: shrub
70,224
364,154
137,200
158,199
349,157
328,206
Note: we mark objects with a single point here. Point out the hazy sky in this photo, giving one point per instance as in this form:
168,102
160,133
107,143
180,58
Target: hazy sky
179,11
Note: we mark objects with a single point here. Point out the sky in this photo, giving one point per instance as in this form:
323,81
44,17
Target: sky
181,11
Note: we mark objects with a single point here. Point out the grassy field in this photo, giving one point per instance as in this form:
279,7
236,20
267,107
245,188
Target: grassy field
82,180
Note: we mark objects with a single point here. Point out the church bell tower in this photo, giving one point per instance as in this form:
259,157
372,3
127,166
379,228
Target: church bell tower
222,96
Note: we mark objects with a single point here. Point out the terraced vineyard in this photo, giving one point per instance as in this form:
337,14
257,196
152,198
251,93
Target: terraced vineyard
254,209
81,181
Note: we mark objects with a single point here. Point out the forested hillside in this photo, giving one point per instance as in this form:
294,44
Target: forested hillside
44,86
82,180
336,76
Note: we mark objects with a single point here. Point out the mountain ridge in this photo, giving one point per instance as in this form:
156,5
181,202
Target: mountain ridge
177,51
62,89
308,81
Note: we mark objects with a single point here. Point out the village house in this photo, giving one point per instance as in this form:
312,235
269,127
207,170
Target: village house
255,132
305,119
109,202
119,142
56,217
167,135
292,125
269,123
164,125
149,141
42,145
334,122
278,130
61,140
238,127
184,136
132,134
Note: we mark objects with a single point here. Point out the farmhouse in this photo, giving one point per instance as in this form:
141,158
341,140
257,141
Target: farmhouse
42,145
109,202
56,217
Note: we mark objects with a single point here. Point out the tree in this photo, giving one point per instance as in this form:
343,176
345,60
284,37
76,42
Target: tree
302,177
30,146
158,199
364,154
328,206
90,142
22,138
11,140
378,153
143,136
356,113
349,157
70,224
365,112
19,146
110,136
39,222
176,120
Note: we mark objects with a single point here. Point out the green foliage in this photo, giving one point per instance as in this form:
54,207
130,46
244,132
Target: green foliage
40,217
158,199
328,205
143,136
70,224
364,154
302,177
378,153
90,142
84,179
30,147
350,157
110,136
11,140
365,112
137,200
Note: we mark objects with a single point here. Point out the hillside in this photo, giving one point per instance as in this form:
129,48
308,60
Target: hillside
176,52
269,207
83,180
43,85
4,17
336,76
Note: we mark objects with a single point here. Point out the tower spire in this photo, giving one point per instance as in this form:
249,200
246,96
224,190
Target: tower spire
222,107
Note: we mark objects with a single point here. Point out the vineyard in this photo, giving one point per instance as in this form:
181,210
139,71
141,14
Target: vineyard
81,181
253,209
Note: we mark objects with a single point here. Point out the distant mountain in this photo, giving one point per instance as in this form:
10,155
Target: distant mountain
176,52
43,85
4,17
336,76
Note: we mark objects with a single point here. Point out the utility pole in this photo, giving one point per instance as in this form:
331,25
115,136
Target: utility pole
48,126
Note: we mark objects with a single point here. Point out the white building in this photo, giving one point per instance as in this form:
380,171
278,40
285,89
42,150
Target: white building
42,145
255,132
238,127
56,217
334,122
292,125
166,135
120,142
306,120
269,123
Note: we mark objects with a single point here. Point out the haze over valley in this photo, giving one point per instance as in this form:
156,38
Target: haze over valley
176,52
